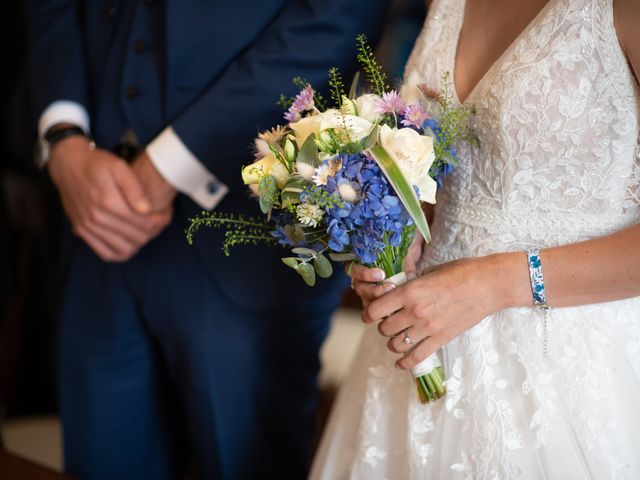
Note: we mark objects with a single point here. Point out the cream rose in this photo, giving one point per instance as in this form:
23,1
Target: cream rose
414,154
366,105
268,165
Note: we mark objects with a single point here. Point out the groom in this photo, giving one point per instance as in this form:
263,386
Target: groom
176,360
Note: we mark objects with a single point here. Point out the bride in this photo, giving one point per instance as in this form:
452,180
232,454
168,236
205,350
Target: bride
532,393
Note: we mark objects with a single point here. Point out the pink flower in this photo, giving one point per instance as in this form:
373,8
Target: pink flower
302,102
414,116
390,103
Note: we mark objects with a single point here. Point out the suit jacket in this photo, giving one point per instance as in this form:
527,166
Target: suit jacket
211,69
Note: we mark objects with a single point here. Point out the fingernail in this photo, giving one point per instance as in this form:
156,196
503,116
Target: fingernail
379,275
389,286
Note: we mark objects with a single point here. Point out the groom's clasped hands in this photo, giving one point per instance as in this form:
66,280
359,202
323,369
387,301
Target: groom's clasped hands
114,207
436,306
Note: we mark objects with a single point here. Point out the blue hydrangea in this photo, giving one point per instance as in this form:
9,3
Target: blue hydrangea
377,217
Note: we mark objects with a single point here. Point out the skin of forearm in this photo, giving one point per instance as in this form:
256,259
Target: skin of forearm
600,270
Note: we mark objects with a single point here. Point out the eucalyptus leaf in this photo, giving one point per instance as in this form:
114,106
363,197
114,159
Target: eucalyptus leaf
403,188
322,266
342,257
291,262
305,251
295,233
309,152
307,273
267,191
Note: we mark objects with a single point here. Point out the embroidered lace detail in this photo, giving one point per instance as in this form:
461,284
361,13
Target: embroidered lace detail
558,120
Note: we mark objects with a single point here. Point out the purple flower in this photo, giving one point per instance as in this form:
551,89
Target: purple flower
390,103
302,102
414,116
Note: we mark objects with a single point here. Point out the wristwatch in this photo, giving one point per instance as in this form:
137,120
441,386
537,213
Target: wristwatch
56,135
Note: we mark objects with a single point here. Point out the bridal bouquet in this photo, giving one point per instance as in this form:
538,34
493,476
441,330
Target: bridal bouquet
345,183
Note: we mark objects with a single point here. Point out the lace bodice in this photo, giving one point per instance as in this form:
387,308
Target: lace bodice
557,117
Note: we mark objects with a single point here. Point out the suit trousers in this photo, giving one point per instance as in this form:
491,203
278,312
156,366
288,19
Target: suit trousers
160,373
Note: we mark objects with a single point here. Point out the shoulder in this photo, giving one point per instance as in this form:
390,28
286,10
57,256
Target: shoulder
626,15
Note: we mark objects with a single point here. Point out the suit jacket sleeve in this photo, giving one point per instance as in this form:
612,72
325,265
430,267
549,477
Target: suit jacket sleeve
55,53
305,39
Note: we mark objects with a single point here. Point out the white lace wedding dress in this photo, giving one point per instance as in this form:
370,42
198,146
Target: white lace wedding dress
559,162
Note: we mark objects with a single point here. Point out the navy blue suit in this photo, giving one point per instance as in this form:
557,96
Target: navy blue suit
183,358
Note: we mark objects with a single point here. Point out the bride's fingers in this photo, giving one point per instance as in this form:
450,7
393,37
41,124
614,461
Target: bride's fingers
385,306
407,339
421,351
364,274
395,324
370,291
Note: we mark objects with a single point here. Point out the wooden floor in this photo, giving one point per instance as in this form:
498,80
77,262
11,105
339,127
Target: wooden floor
13,467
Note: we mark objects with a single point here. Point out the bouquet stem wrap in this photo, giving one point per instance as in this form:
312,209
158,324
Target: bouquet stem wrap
428,374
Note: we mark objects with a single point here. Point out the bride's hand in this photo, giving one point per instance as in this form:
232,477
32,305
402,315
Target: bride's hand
367,281
446,301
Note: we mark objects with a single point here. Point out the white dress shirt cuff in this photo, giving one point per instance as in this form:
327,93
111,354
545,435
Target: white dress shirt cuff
63,111
60,111
171,157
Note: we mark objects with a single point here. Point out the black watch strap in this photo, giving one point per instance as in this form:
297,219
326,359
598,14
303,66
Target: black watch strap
56,135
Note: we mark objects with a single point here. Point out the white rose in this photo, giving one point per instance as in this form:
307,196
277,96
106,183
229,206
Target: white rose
414,154
366,105
268,165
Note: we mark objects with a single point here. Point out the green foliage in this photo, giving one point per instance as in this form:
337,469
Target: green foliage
240,230
376,77
353,91
454,122
290,195
391,258
284,102
309,152
403,188
268,193
337,87
322,199
308,264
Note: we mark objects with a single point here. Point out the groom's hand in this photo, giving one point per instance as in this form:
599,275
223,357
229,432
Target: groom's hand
105,202
160,193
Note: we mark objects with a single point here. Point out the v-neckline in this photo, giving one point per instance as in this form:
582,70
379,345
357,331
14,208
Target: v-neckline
498,60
